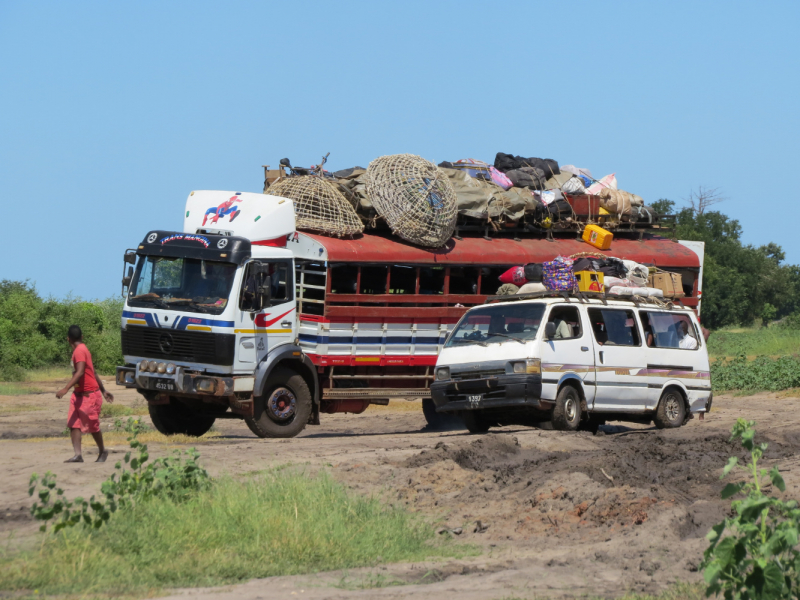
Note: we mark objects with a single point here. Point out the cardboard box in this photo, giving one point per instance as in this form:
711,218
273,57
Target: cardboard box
669,283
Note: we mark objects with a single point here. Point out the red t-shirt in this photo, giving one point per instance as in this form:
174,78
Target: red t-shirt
87,383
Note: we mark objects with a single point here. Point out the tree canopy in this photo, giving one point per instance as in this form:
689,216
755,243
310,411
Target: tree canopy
741,283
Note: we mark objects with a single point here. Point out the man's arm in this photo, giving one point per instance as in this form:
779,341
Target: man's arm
107,395
80,369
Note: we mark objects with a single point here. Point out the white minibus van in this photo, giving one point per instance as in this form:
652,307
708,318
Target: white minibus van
576,360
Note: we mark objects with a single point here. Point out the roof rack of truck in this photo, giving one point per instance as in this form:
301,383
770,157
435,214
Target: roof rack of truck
585,297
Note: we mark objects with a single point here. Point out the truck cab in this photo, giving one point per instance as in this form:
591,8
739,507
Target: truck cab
210,329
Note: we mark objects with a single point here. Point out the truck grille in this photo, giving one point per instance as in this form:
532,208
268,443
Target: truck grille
477,374
169,344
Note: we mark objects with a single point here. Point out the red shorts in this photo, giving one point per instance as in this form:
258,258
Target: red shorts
84,411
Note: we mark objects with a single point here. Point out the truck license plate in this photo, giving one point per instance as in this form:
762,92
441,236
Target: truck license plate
166,386
474,400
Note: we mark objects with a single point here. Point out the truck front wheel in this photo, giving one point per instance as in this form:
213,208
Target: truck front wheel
174,418
284,408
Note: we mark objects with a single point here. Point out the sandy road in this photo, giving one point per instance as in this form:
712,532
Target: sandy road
562,515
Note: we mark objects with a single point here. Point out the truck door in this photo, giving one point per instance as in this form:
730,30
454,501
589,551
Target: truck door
620,360
570,351
271,317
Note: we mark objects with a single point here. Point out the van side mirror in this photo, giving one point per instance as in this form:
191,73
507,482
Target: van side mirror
549,331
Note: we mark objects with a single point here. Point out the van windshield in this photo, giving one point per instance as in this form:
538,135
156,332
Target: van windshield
187,284
498,324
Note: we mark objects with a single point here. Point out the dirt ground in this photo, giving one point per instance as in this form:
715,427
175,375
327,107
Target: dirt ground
554,514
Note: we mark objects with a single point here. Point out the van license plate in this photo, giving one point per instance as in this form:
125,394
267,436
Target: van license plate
474,400
166,386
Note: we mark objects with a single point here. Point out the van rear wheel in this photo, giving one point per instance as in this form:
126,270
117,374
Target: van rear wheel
671,411
567,411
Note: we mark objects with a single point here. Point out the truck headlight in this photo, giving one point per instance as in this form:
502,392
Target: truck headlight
129,377
161,368
529,366
171,368
143,366
442,373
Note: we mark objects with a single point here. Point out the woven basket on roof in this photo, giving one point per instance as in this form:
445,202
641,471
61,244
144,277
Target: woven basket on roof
318,205
415,198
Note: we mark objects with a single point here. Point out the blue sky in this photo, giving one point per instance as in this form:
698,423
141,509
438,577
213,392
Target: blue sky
112,112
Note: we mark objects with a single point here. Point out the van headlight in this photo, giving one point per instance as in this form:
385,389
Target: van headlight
529,366
442,373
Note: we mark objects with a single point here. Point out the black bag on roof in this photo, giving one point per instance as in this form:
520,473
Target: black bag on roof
529,177
533,272
508,162
613,267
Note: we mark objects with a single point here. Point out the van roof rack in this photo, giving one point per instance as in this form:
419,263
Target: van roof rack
584,297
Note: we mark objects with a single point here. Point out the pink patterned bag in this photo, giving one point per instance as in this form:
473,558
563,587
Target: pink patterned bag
500,178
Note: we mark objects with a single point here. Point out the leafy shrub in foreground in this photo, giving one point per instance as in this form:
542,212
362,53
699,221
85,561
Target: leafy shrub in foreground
177,478
759,558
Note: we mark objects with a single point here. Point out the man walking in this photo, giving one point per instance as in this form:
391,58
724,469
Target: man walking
87,398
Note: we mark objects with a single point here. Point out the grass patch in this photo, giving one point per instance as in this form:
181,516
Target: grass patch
678,591
13,409
763,373
16,389
120,410
282,524
112,438
756,341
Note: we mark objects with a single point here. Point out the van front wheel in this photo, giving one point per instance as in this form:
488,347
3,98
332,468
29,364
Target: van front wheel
671,411
567,411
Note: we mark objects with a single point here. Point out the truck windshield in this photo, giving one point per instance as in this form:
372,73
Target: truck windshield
497,324
187,284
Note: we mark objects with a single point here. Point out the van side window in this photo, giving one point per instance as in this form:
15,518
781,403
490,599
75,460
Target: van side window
614,327
567,322
668,330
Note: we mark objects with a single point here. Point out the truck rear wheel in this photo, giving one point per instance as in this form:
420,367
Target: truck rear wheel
284,408
175,417
439,421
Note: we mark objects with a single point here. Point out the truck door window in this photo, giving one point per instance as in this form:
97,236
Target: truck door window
614,327
279,291
668,330
567,322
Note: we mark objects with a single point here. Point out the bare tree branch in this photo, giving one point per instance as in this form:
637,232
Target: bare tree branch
699,201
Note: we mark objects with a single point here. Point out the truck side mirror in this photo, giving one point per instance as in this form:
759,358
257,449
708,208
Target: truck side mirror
126,281
549,331
130,258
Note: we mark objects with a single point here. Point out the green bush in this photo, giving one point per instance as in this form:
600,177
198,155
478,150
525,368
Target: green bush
33,331
763,373
758,559
177,478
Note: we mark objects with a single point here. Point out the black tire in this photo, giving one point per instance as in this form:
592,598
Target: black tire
592,423
175,417
439,421
284,408
671,411
474,421
567,411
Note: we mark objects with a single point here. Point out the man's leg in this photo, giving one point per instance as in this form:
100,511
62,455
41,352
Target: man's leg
103,453
75,436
